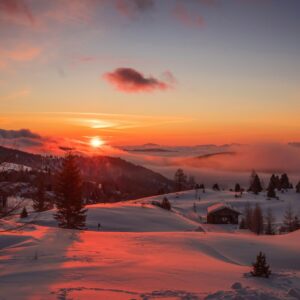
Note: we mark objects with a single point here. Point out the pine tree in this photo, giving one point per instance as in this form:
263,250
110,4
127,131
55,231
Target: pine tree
260,267
248,216
237,188
298,188
257,220
270,222
24,213
284,181
39,199
165,204
296,223
271,190
70,208
216,187
255,185
180,180
289,219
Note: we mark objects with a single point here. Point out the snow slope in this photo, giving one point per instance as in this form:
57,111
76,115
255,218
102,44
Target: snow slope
144,252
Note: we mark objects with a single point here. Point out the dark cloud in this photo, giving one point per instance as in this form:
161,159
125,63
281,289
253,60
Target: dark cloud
130,80
67,149
16,134
131,7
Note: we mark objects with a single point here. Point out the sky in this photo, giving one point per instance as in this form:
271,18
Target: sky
177,72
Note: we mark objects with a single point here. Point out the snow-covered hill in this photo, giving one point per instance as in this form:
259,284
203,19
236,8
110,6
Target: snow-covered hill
145,252
188,212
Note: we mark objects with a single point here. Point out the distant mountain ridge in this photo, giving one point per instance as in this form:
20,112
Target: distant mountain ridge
126,179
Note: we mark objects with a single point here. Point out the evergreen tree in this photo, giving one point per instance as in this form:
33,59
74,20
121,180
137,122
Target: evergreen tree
39,199
24,213
165,204
180,180
289,219
284,182
216,187
298,188
70,208
270,222
248,216
237,188
255,186
271,190
257,220
260,267
191,182
296,223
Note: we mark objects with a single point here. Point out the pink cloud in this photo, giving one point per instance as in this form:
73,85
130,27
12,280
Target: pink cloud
23,53
187,18
130,80
17,11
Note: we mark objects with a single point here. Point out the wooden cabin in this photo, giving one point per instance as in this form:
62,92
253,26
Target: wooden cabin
221,213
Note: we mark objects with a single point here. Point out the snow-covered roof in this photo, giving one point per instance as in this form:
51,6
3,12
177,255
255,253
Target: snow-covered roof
219,206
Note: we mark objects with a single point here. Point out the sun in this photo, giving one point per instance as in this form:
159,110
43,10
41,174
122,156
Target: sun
96,142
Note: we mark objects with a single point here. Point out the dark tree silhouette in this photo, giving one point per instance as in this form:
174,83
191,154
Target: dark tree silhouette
165,204
237,188
298,188
285,182
289,219
269,222
271,190
24,213
39,199
180,180
248,216
216,187
255,185
260,267
70,207
257,225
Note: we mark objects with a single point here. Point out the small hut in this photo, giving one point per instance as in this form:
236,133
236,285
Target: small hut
222,213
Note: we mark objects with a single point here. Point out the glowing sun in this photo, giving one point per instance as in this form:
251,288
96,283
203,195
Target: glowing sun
96,142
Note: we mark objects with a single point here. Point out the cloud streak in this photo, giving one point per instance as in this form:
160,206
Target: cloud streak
183,15
131,81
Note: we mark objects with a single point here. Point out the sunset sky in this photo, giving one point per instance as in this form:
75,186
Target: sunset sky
137,71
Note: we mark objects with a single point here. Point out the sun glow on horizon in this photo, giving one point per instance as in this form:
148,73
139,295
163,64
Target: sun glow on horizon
96,142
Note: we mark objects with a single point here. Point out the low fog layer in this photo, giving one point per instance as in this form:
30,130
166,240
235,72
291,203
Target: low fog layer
224,164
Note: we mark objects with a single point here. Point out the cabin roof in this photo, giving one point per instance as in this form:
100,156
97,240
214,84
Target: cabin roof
219,206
